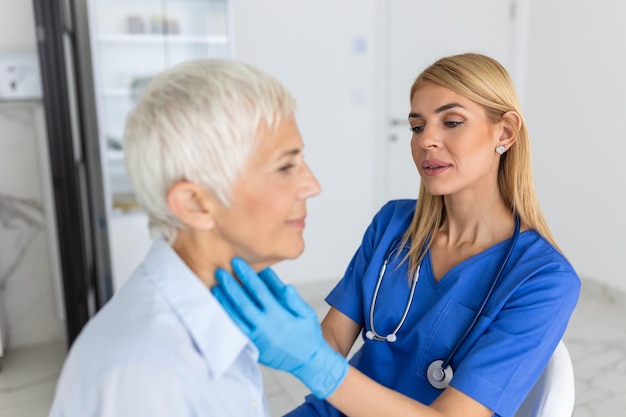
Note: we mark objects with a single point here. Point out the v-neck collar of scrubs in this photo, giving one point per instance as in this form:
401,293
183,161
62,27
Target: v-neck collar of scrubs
427,265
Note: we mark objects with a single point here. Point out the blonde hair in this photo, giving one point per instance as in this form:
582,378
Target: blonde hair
198,121
486,82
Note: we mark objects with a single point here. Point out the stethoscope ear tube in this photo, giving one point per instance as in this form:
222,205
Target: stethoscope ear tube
373,336
391,337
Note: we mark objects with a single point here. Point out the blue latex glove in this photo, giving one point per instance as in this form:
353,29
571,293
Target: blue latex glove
282,326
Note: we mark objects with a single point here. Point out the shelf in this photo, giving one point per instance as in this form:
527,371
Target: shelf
20,102
117,92
160,38
115,155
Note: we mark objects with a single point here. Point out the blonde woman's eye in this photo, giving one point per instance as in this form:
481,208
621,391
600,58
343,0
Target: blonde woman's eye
453,123
416,129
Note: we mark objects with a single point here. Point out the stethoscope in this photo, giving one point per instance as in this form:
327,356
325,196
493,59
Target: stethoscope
439,372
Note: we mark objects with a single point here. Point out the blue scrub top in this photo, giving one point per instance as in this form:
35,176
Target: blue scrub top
507,349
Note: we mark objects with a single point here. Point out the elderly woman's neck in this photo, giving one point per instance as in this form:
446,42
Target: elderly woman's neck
203,254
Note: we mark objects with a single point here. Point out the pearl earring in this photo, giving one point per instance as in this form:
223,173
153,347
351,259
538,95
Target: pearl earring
500,149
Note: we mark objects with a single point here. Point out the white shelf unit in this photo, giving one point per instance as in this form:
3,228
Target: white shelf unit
131,41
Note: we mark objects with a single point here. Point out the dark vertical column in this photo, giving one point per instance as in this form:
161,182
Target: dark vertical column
81,223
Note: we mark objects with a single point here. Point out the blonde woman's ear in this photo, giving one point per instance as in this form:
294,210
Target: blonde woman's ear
511,124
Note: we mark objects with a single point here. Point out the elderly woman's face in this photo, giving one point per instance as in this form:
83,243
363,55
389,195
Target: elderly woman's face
266,219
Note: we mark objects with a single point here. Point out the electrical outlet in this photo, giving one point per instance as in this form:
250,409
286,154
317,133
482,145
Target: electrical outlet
19,76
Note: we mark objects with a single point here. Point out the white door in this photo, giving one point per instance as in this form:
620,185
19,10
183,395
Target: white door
417,33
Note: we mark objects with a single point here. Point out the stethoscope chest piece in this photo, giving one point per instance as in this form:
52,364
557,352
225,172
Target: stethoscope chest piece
437,376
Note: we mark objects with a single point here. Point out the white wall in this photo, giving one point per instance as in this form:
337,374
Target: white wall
575,109
572,89
324,52
17,26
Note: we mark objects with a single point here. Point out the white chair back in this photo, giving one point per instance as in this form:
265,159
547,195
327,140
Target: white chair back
553,395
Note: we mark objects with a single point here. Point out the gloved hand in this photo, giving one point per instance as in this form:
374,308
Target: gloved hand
281,325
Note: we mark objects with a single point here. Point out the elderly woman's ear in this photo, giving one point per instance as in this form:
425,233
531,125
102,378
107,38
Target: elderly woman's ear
192,204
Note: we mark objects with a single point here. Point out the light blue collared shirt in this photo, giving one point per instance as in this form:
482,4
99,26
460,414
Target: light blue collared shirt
162,346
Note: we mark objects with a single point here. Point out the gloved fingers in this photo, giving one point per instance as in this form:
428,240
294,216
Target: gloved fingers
232,310
240,299
255,286
282,292
292,300
273,282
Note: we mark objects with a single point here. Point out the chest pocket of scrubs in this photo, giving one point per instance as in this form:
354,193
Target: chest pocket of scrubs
445,333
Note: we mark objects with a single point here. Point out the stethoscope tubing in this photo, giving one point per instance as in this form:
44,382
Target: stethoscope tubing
373,334
469,328
440,367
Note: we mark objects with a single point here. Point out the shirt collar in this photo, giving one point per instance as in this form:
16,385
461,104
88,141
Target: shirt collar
216,336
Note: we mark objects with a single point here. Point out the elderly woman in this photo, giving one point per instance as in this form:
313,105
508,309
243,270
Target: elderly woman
215,157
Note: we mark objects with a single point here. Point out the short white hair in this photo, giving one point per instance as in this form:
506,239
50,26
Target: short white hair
198,122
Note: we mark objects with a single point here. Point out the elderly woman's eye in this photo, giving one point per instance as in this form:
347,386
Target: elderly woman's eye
286,168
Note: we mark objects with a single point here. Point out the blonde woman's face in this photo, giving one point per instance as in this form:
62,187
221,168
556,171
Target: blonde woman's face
266,219
453,143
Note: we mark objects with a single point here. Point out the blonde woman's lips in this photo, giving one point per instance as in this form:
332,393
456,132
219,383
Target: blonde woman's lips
434,167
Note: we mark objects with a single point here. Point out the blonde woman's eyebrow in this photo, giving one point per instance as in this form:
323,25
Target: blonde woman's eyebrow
440,109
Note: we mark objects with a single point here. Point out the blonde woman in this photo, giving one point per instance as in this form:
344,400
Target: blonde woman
460,296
